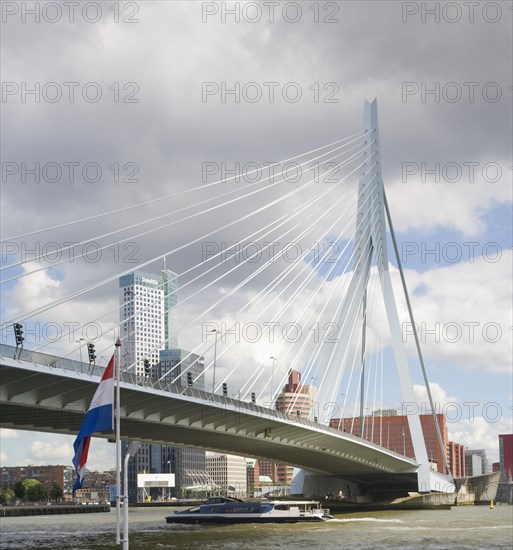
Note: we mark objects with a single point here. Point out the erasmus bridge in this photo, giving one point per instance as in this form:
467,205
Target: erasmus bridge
47,391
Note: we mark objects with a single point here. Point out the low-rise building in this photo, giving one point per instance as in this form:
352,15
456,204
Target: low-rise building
46,475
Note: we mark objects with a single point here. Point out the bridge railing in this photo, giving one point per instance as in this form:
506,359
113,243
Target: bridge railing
53,361
67,364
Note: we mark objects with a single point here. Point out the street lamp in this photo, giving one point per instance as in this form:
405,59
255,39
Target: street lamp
80,346
273,359
168,462
404,443
216,332
388,434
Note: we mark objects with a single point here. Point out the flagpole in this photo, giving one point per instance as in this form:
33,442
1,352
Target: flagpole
118,445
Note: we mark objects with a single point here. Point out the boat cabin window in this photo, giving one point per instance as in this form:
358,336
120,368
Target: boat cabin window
282,507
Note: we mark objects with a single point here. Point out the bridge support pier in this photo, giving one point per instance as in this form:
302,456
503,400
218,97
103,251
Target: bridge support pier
366,489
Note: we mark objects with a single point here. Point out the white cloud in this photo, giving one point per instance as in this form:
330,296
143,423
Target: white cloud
46,451
429,206
3,457
477,426
480,433
6,433
58,449
461,314
438,394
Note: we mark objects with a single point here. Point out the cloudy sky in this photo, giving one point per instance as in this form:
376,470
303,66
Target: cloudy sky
108,108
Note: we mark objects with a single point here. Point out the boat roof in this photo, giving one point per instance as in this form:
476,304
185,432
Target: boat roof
218,499
294,501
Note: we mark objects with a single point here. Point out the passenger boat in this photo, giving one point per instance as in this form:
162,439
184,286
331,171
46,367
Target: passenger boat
232,510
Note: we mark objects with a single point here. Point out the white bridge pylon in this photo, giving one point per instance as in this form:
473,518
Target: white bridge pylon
371,243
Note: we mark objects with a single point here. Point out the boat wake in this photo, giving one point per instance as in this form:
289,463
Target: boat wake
373,520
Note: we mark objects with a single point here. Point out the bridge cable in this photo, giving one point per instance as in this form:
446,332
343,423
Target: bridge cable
179,193
75,294
167,214
319,196
147,232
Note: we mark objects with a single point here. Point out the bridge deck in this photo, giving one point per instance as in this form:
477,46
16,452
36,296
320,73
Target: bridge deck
47,393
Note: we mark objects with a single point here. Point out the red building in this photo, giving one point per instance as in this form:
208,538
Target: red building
252,472
295,399
393,432
456,458
268,468
506,456
46,475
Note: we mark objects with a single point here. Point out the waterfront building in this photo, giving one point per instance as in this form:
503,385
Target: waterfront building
456,458
188,464
69,480
46,475
386,412
476,462
228,473
506,456
298,400
393,432
175,364
96,487
268,468
148,317
252,474
149,330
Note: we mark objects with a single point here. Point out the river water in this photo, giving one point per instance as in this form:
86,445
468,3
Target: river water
468,527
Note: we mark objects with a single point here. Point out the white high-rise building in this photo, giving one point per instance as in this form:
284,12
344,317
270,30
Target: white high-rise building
149,330
149,324
148,317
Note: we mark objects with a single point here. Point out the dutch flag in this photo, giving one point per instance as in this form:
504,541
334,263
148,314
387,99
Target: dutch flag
99,417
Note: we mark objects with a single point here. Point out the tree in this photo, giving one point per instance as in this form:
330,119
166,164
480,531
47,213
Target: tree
7,496
19,491
34,491
55,492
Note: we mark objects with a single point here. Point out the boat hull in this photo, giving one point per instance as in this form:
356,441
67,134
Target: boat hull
198,519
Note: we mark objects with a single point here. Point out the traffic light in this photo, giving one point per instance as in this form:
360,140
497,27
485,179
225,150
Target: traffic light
298,412
92,356
18,334
189,379
225,389
253,397
147,367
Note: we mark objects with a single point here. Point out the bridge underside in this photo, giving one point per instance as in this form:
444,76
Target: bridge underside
252,443
49,399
